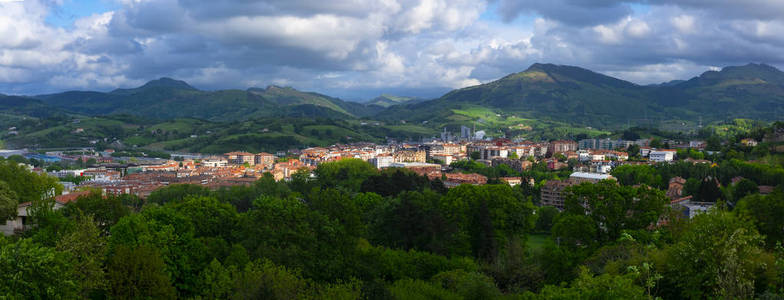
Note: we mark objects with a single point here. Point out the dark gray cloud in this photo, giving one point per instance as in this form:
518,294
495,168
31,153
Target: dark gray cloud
358,48
573,12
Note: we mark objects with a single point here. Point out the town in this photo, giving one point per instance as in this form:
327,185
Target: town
589,160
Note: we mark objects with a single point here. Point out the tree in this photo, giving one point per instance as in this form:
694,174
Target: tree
105,210
715,258
138,272
346,173
28,186
475,155
638,174
392,181
171,234
469,285
87,249
176,193
575,231
709,190
414,220
615,208
490,215
586,286
767,212
743,188
713,143
405,289
31,271
656,143
8,202
630,135
210,218
545,218
513,155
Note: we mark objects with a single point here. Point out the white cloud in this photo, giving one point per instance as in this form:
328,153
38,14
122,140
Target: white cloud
339,46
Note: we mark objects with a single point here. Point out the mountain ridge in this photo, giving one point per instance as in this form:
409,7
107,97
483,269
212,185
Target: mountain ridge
542,91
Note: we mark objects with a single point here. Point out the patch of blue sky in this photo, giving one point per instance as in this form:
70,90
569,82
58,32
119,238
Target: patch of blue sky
64,15
640,9
491,15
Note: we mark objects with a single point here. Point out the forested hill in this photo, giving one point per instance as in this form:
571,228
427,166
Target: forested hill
167,98
580,96
544,92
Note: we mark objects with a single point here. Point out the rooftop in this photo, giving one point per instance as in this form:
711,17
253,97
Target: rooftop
596,176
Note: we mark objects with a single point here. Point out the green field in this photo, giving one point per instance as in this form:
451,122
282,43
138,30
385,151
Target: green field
537,241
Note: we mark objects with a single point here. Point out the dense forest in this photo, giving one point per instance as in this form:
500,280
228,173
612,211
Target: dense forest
353,232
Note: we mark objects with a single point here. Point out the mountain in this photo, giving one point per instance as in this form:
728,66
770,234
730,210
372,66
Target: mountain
25,106
579,96
167,98
751,91
543,91
543,97
390,100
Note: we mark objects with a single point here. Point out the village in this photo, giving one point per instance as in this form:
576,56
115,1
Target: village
589,159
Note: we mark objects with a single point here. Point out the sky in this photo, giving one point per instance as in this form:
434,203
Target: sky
358,49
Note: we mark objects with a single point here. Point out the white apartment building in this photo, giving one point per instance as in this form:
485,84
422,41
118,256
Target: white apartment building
661,155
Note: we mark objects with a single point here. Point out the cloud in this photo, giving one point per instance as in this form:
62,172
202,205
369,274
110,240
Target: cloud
357,48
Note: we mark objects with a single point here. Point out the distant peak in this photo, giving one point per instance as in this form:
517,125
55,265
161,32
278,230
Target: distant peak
748,71
541,67
273,87
168,82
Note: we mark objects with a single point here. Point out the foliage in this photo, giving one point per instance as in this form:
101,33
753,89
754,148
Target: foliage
32,271
615,207
346,173
545,218
355,232
138,272
176,193
589,287
28,186
767,212
105,210
87,251
715,257
8,202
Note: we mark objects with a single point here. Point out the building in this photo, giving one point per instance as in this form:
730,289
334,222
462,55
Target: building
513,181
264,159
215,163
102,174
552,193
410,156
20,223
465,132
675,189
749,142
241,158
561,147
382,161
661,155
516,164
445,159
580,177
605,144
690,208
432,171
456,179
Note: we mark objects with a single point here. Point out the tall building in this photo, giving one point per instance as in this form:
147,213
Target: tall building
465,132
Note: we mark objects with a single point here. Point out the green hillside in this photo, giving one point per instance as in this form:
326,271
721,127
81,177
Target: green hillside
580,97
194,135
391,100
545,101
168,99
